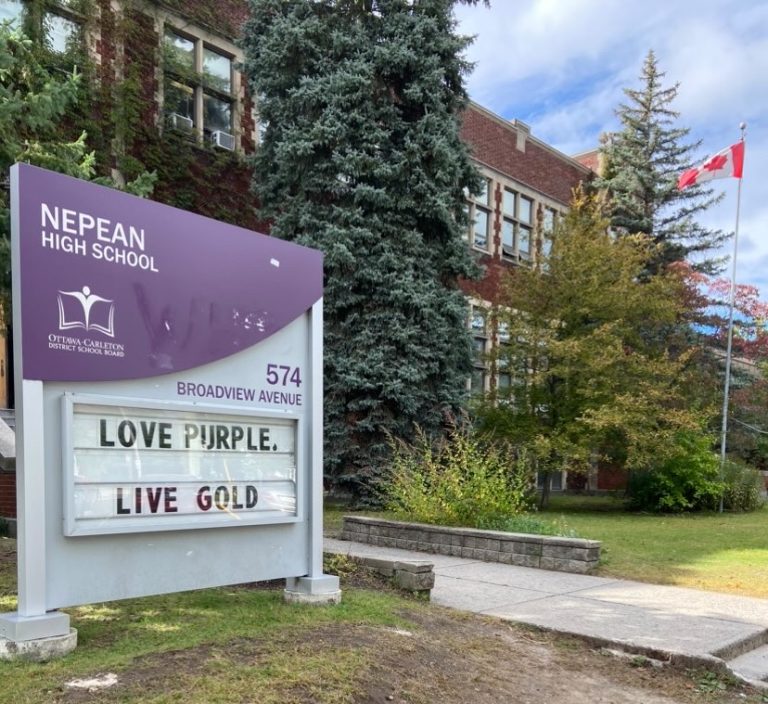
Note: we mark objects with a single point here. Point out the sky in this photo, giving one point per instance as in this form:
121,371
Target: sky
561,65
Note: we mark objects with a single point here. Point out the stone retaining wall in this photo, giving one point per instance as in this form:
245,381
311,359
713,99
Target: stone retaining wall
545,552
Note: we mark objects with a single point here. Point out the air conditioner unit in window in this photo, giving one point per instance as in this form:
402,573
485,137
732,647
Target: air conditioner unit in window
180,122
223,140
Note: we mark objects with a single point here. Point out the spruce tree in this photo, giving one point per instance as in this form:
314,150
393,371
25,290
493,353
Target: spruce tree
361,158
643,162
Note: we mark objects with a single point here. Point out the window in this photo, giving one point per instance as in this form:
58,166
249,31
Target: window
10,10
61,28
199,88
548,223
555,481
516,228
478,325
479,212
61,34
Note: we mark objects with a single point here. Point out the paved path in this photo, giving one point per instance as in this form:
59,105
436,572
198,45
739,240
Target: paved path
642,617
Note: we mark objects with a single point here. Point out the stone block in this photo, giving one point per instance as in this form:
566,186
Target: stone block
467,552
415,581
493,544
385,567
415,566
550,563
508,546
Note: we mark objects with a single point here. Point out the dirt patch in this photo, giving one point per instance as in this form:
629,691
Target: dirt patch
440,656
7,550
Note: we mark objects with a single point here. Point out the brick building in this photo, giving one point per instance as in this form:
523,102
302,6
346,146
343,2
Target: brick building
165,94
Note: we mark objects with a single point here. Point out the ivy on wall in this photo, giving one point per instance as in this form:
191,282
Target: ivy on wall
118,108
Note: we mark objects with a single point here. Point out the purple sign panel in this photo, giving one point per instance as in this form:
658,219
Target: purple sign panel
116,287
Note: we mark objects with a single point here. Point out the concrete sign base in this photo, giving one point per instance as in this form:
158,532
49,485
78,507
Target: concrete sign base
313,590
39,649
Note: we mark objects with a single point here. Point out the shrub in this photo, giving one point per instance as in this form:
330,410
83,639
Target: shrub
687,481
742,487
464,480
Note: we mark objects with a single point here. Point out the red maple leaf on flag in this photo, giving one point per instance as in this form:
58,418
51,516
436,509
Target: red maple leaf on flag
716,163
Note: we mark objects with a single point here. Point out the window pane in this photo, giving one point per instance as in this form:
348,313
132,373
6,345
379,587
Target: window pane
508,238
509,202
557,481
549,220
546,246
477,382
465,208
505,382
481,228
179,52
526,209
61,34
179,99
477,323
10,9
217,114
484,192
217,71
478,350
524,240
503,332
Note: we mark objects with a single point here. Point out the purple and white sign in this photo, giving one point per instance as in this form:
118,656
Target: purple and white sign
114,287
169,401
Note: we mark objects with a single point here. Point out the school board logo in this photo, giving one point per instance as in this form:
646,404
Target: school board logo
86,310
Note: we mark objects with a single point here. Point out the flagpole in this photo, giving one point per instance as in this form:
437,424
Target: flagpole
729,347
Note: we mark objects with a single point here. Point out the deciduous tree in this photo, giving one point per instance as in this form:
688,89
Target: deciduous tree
587,376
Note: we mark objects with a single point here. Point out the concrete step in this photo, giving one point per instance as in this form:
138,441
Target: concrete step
752,665
9,416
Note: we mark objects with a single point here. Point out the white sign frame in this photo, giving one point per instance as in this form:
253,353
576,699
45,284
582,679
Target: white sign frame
74,527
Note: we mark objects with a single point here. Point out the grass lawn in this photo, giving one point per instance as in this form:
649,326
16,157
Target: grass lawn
719,552
244,645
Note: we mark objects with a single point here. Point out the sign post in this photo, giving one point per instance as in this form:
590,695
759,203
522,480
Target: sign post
169,406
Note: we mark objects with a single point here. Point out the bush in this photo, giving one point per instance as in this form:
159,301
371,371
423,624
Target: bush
465,480
687,481
742,487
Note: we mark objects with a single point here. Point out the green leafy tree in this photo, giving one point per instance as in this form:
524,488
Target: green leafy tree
586,382
361,158
34,106
643,161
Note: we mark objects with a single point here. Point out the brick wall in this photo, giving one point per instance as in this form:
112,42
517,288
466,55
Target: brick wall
494,142
611,479
7,494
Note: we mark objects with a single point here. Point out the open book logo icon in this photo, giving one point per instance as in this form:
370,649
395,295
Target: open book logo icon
86,310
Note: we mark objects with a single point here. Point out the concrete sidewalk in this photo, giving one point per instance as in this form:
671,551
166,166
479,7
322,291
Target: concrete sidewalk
707,628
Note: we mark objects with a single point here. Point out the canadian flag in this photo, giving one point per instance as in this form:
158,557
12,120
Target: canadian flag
729,162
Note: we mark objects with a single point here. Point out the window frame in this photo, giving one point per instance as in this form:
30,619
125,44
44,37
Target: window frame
480,365
204,42
485,205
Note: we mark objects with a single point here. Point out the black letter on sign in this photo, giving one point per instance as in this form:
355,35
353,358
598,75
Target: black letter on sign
127,439
103,434
251,496
120,508
264,439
